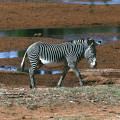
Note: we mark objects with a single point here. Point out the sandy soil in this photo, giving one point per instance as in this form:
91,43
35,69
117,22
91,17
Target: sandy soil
18,102
36,15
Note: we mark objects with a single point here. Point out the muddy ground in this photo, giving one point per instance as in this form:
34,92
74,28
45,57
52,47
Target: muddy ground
100,96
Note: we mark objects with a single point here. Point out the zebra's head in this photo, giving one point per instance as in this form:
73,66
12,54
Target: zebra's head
90,52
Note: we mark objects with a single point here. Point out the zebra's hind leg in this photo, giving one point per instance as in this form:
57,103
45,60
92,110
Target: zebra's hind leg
63,76
31,73
74,68
34,67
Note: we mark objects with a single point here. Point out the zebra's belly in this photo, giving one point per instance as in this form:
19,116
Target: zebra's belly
51,63
45,61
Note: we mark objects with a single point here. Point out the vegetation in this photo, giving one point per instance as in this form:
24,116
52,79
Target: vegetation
32,99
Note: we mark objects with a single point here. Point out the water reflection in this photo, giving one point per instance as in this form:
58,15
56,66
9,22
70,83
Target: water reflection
109,2
48,32
41,72
65,33
11,54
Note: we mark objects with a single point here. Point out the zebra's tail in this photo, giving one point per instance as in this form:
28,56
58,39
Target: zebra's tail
23,62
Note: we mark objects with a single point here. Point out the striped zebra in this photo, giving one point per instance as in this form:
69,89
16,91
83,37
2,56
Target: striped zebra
68,53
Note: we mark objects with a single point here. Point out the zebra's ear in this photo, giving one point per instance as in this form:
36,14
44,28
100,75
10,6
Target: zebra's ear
90,41
99,42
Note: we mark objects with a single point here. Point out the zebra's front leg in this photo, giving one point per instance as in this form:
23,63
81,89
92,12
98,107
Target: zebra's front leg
74,68
31,73
63,76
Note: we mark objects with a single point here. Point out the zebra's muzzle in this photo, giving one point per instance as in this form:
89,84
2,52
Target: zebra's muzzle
93,64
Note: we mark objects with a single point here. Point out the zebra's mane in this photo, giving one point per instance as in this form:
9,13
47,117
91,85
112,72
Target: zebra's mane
82,40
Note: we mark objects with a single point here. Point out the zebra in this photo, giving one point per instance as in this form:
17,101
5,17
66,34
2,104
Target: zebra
69,53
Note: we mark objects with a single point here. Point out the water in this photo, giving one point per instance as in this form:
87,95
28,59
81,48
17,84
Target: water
41,72
65,33
10,54
110,2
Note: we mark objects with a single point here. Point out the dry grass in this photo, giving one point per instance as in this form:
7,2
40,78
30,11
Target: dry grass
33,99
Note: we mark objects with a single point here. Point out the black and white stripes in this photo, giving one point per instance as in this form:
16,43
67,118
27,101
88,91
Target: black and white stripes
69,53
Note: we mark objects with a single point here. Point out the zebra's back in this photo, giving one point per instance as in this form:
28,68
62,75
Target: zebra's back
54,53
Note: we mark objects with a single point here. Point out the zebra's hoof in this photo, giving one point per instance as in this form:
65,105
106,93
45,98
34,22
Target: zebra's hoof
32,87
58,86
81,85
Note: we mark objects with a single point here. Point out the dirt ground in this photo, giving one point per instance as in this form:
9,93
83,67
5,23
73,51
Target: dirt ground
40,15
18,102
106,73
